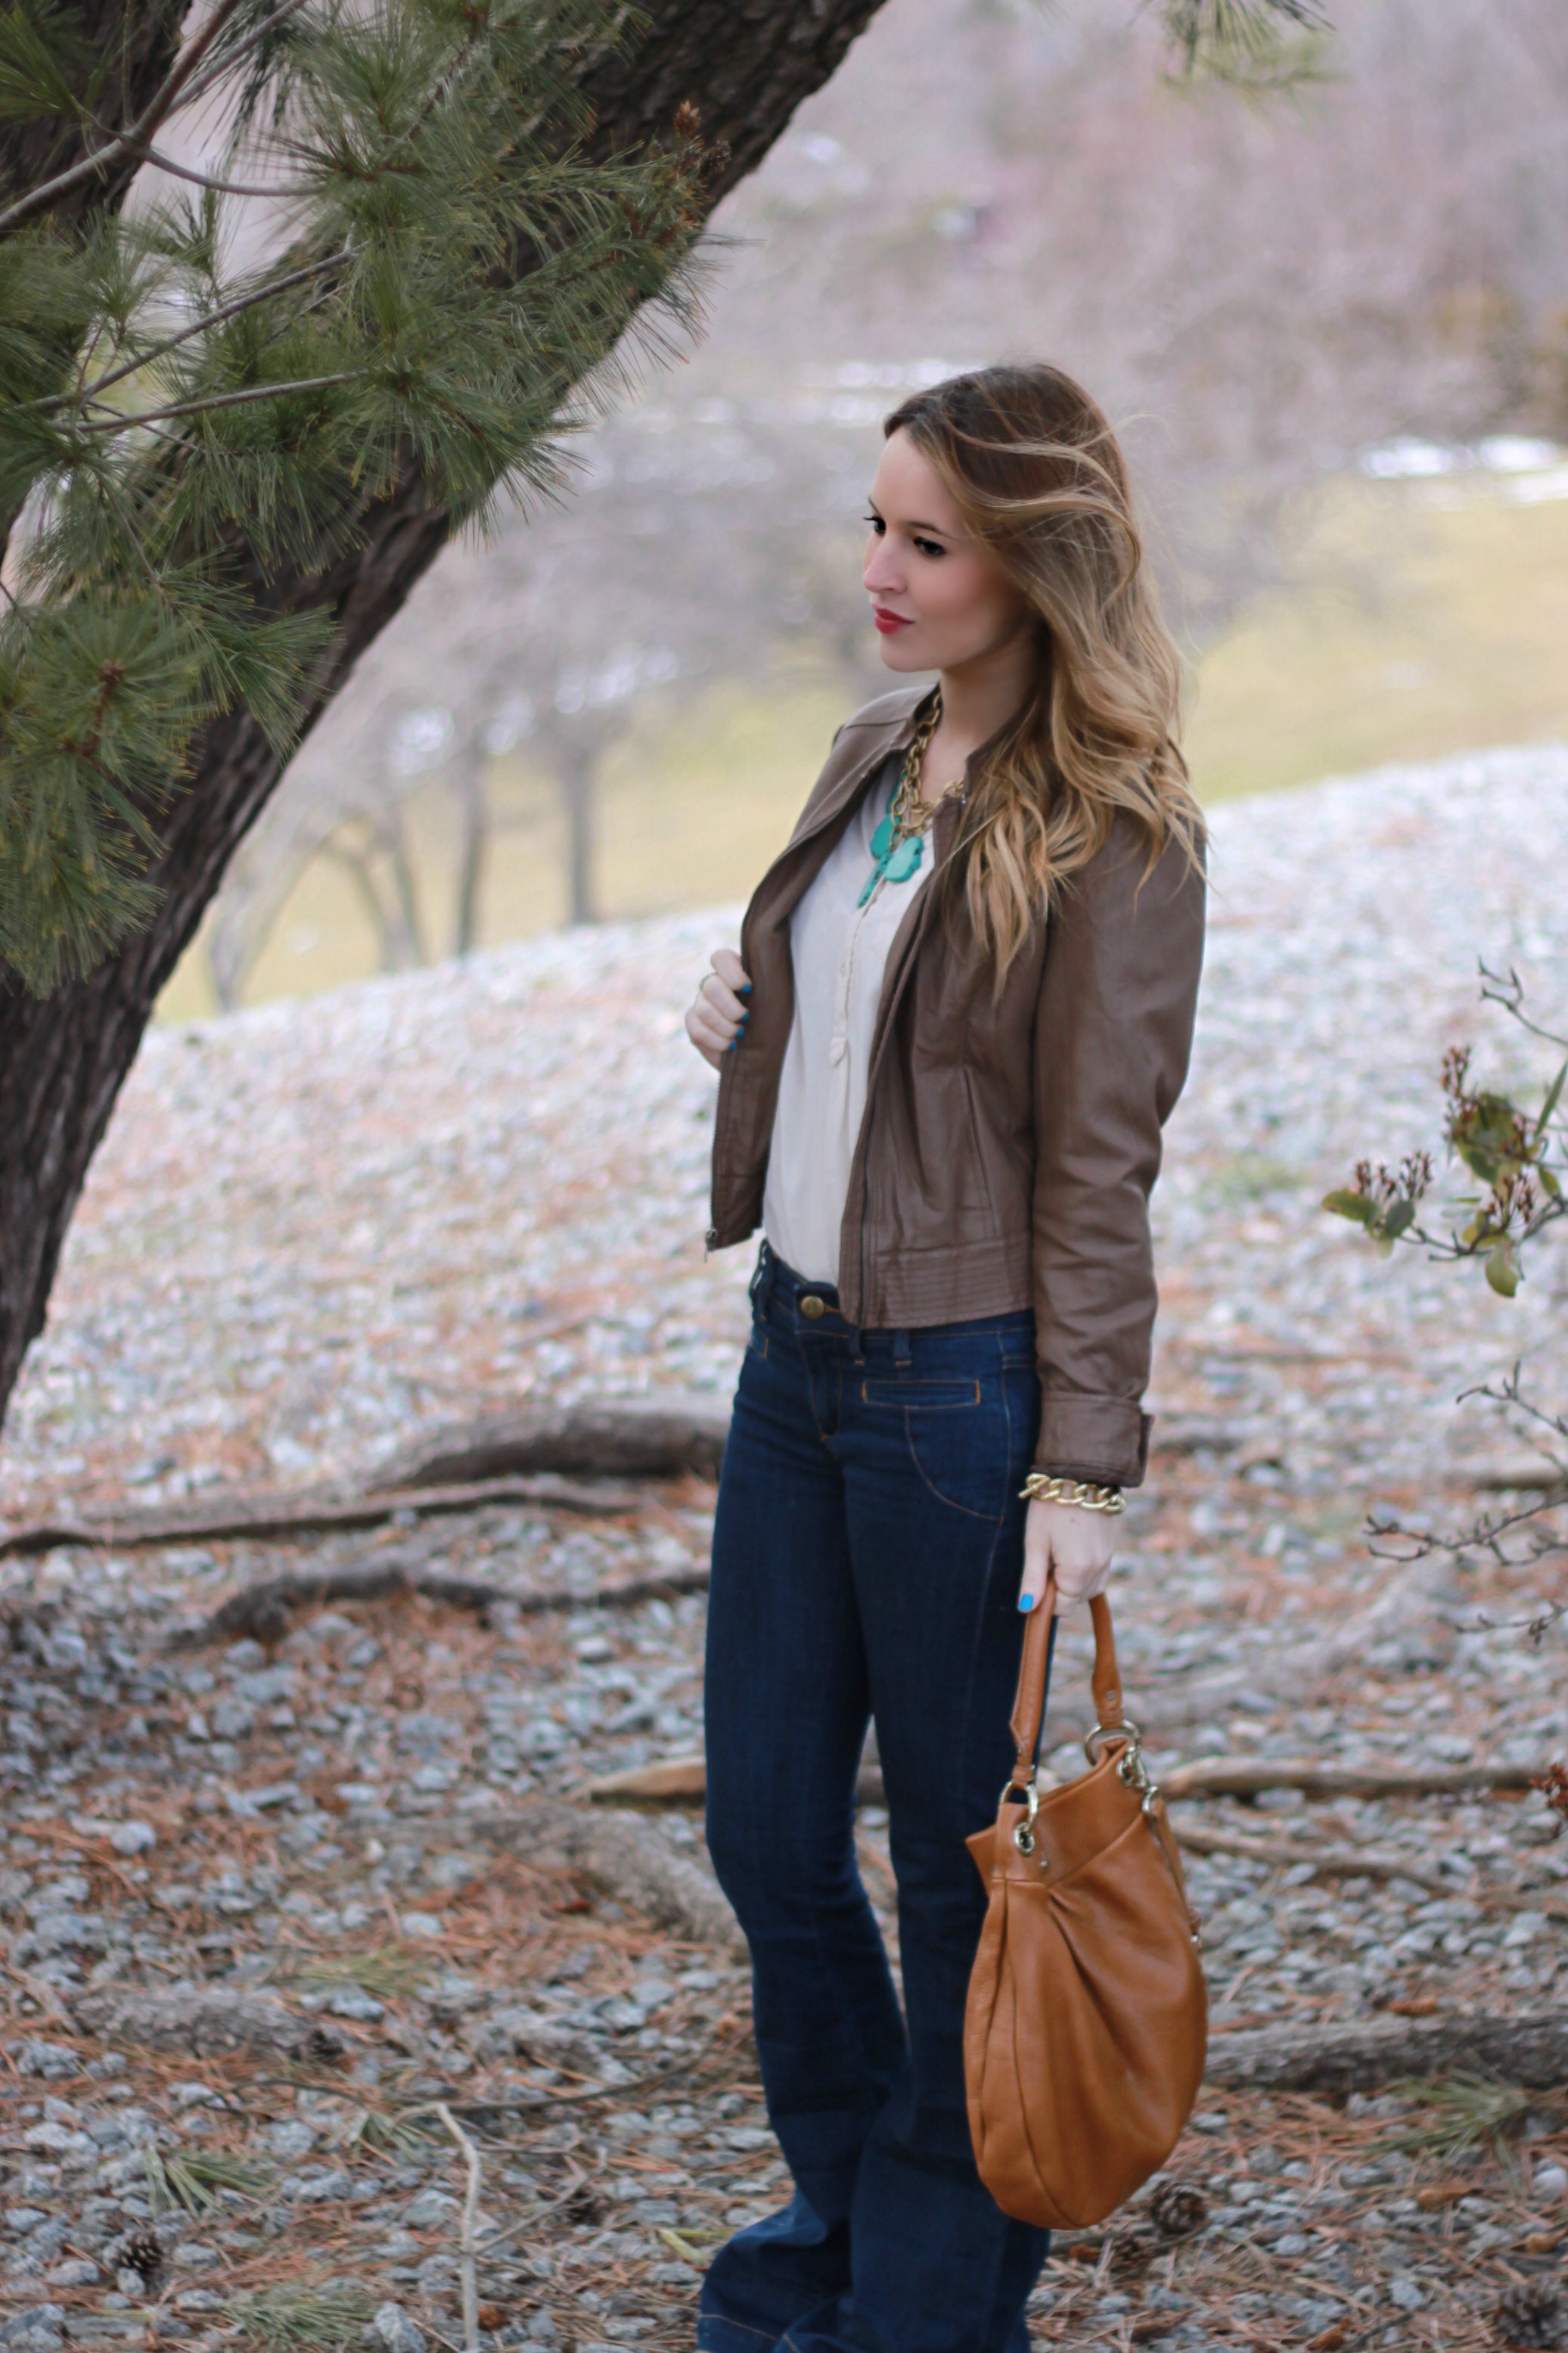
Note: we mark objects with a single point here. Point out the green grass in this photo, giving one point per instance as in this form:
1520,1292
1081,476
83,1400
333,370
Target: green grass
1407,629
1417,620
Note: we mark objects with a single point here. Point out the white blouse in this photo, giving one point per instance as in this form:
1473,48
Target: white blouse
840,951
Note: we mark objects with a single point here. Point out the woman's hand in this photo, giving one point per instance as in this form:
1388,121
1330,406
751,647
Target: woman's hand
1078,1544
715,1020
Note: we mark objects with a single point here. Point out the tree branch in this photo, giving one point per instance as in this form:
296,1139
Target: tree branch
157,110
241,303
216,400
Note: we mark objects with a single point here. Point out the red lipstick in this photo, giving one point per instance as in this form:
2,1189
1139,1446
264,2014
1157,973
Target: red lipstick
889,623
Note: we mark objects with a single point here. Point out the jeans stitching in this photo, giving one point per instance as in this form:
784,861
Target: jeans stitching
997,1520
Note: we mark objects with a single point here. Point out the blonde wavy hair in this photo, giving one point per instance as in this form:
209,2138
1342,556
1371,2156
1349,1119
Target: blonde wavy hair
1035,472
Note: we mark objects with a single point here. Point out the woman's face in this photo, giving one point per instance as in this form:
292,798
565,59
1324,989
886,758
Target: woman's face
938,599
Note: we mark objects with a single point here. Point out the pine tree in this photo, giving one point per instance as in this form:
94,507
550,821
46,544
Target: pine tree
220,476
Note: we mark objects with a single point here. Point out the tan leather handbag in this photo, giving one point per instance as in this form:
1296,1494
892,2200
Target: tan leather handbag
1085,2033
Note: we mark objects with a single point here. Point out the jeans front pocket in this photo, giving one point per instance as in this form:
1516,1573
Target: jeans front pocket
922,1397
959,1433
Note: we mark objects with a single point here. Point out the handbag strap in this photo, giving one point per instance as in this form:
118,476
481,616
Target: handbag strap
1030,1700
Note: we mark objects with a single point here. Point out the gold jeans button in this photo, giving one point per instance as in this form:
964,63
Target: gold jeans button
813,1306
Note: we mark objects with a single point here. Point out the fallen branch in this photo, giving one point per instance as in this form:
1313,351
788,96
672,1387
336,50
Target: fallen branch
467,2258
265,1611
291,1514
1361,1863
661,1437
1328,1862
1531,2050
209,2021
683,1781
534,2105
512,1458
625,1857
1227,1776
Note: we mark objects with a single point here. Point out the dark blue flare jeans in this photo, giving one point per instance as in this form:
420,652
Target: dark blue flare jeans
866,1556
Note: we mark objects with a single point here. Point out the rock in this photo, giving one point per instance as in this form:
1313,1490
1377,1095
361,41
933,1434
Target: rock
318,2188
431,2208
132,1838
36,2329
48,2058
52,2140
349,2001
394,2331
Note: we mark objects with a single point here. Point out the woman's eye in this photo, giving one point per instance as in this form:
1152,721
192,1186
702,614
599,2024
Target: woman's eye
930,547
877,525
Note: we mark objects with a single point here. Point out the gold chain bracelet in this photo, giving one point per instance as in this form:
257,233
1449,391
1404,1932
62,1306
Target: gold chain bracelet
1087,1494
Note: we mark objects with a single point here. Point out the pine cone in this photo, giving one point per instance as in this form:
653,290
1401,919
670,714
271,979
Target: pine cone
1177,2209
1531,2314
144,2254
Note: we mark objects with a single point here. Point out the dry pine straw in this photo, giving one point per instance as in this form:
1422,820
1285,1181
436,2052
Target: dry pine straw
512,1928
1128,2256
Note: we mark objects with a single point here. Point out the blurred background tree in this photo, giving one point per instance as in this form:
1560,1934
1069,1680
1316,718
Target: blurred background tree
1331,320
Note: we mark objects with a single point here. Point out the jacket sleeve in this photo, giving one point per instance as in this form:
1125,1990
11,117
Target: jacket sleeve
1112,1036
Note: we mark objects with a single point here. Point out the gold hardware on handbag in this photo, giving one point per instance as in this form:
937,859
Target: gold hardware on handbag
1086,2029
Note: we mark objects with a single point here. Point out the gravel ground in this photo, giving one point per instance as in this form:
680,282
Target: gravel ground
317,1232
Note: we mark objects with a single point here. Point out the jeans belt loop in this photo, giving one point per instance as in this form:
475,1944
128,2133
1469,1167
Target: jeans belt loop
901,1351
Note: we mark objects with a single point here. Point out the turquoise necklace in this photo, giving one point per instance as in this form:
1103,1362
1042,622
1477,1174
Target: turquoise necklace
898,843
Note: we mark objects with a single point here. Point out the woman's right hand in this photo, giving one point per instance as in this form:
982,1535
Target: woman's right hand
716,1021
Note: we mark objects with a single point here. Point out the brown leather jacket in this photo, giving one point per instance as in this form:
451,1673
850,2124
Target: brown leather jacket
1008,1147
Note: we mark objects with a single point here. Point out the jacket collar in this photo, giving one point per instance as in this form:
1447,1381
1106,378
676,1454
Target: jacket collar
888,737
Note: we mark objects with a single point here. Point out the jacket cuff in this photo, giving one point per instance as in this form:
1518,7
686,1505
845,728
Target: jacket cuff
1100,1438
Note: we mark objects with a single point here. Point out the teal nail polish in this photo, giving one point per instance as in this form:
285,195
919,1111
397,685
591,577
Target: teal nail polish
1025,1601
745,988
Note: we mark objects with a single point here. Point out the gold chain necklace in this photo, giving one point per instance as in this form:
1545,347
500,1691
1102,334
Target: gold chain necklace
897,844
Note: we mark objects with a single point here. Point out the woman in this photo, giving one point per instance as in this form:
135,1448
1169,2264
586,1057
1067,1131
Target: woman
960,1016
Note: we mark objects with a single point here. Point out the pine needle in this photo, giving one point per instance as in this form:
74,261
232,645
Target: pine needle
283,2319
1462,2113
387,2133
196,2180
386,1971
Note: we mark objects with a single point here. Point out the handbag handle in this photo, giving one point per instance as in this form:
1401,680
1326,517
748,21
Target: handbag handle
1029,1703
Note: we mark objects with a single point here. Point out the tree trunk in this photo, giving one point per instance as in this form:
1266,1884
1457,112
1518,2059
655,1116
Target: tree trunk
474,805
577,799
747,65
